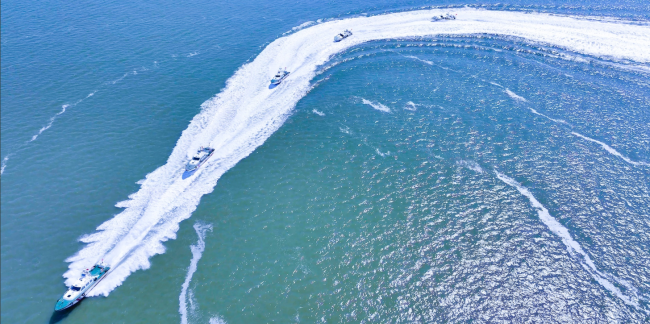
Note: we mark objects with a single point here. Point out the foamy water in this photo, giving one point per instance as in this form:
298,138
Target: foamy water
246,113
611,150
547,117
376,105
515,96
572,246
197,252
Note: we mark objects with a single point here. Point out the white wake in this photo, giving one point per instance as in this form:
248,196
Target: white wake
572,246
515,96
561,121
376,105
242,116
611,150
197,253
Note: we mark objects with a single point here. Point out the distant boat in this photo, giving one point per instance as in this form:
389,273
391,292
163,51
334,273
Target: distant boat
342,36
197,160
281,75
443,17
89,279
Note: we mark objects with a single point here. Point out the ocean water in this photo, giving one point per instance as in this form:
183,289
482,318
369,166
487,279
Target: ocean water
495,168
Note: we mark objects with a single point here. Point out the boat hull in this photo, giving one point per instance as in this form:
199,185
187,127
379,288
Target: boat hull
278,81
200,164
63,304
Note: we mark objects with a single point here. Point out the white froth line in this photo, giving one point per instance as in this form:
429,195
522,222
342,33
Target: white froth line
552,119
419,59
515,96
376,105
53,118
319,113
611,150
119,79
197,253
571,245
4,164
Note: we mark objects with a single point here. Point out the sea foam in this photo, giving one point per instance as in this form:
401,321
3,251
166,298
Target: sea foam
572,246
197,253
376,105
611,150
515,96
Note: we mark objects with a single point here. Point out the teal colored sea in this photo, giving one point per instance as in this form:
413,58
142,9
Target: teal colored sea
492,168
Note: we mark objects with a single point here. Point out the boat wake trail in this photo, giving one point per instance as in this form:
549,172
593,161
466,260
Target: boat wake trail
197,253
573,246
561,121
46,127
246,112
53,118
515,96
611,150
4,164
376,105
419,59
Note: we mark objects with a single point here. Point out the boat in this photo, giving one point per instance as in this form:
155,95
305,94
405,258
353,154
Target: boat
448,16
89,279
201,156
281,75
342,36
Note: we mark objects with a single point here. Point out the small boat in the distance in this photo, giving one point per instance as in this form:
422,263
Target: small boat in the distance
342,35
201,156
443,17
281,75
89,279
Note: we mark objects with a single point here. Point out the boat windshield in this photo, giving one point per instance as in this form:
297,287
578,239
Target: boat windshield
196,158
75,288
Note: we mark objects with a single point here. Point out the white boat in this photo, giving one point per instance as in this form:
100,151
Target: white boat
89,279
281,75
197,160
448,16
342,36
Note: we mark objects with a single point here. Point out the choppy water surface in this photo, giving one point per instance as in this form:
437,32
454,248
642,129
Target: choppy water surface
453,178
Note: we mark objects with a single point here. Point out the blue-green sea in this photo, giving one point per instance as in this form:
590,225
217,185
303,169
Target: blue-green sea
491,176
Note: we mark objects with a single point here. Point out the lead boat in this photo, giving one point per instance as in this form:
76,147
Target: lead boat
201,156
448,16
281,75
342,36
89,279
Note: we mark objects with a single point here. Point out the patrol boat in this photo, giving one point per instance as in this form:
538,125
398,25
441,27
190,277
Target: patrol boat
201,156
89,279
342,35
281,75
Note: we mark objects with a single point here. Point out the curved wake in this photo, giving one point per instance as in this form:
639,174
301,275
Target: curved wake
241,117
574,247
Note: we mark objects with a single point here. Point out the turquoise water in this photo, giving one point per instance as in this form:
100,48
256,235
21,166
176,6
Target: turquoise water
393,192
